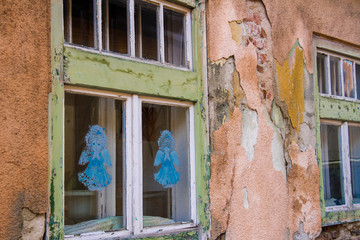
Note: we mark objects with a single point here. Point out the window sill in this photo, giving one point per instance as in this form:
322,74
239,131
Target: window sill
126,57
341,216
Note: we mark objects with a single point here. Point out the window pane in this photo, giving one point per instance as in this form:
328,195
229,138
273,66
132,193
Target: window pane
115,27
349,86
354,147
166,185
332,165
146,30
79,22
174,33
322,73
358,80
335,76
93,164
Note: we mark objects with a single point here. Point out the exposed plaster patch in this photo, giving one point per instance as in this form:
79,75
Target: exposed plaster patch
290,85
304,195
277,117
33,225
236,32
246,200
249,133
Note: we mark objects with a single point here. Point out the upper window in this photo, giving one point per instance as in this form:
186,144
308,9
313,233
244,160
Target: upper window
338,75
155,30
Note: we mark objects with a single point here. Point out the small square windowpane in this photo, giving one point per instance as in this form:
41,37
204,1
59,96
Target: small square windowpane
165,149
79,22
322,73
335,76
349,85
115,26
357,72
332,165
146,30
93,164
354,147
174,31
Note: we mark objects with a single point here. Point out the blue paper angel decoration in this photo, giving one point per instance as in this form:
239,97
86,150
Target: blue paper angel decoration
95,153
166,156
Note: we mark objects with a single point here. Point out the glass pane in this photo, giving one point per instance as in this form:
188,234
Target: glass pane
115,26
166,182
174,33
349,86
358,80
322,73
354,147
93,164
146,30
79,22
332,165
335,76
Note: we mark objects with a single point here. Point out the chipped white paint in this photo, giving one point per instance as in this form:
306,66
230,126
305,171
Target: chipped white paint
246,200
249,132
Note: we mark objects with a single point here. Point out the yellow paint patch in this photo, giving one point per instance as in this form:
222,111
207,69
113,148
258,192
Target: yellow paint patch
291,89
236,32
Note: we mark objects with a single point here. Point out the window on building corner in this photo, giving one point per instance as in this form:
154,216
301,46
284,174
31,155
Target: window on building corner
338,81
158,31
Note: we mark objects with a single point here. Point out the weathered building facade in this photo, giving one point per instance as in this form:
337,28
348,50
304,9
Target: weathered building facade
218,119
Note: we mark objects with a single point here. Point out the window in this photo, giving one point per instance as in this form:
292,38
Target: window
149,30
127,157
338,84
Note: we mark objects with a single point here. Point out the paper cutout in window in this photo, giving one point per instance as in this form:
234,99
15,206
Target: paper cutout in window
96,155
167,157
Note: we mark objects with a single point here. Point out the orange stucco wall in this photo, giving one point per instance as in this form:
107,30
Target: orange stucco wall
24,86
264,174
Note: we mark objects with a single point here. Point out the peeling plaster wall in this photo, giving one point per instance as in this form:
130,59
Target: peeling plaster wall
24,87
264,174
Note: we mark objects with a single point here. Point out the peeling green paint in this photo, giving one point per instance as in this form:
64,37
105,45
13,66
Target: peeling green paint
72,66
192,235
331,108
99,71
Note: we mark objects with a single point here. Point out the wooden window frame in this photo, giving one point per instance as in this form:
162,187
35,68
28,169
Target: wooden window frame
131,33
343,112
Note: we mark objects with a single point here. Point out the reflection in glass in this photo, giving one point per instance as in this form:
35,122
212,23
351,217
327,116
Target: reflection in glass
332,165
164,204
146,30
86,210
79,23
322,74
335,76
354,147
115,26
349,86
174,33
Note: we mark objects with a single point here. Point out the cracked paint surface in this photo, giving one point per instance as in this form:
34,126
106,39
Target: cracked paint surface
257,167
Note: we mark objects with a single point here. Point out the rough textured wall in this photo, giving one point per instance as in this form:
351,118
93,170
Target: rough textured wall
264,174
24,87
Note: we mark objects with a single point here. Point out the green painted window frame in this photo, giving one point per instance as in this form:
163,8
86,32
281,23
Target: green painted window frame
340,110
75,67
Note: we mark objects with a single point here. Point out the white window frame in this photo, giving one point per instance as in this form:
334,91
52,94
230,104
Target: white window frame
131,34
328,80
133,166
345,156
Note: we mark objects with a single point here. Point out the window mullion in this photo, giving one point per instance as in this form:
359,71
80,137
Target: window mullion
342,77
131,24
127,172
98,23
188,36
192,156
161,32
328,75
346,163
137,166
